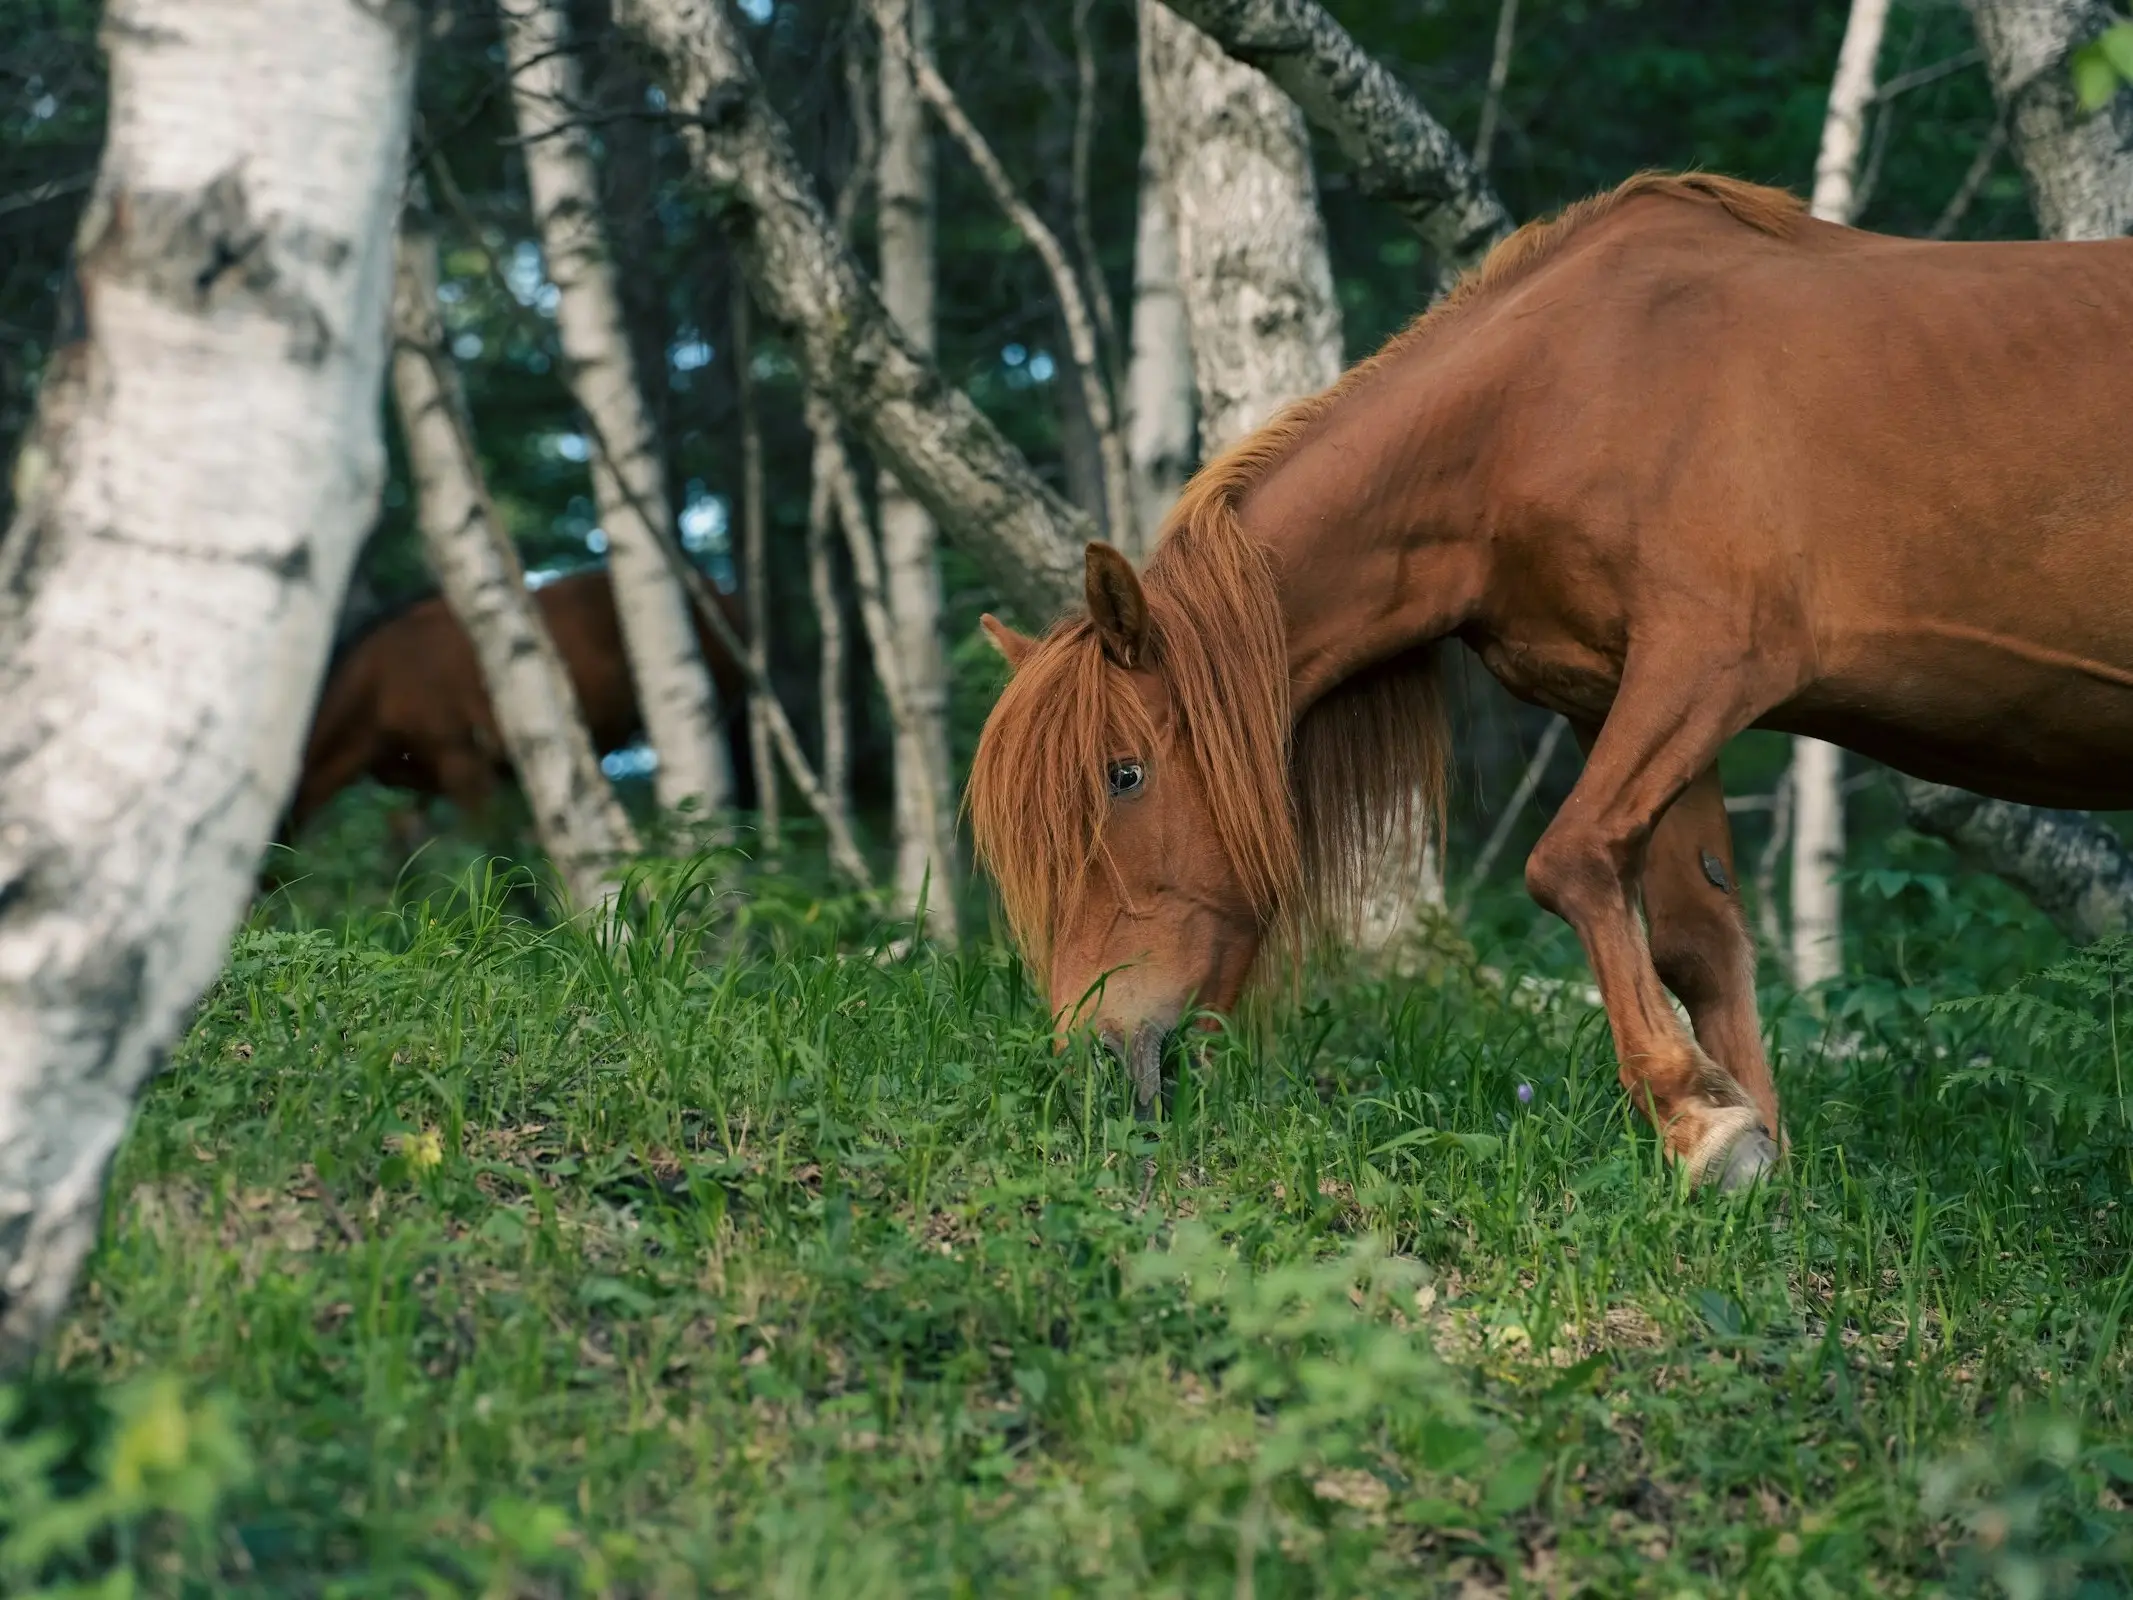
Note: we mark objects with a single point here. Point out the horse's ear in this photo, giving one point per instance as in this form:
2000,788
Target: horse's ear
1015,646
1116,605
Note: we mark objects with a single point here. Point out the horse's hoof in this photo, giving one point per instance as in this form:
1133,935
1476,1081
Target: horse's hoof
1743,1164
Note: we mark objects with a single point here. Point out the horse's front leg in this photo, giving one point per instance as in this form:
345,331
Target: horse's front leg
1664,732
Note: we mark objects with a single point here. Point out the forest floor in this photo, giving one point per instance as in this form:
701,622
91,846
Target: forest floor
458,1255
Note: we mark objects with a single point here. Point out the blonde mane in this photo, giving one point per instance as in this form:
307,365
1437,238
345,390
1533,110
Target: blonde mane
1314,813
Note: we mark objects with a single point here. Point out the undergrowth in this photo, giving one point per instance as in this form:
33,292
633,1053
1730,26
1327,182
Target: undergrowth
462,1253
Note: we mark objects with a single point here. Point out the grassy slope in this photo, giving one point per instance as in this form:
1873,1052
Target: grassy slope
525,1269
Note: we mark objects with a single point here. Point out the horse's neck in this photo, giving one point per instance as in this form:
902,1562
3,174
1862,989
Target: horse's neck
1371,556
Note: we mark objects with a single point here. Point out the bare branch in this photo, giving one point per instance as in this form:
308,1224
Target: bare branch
1966,192
1521,797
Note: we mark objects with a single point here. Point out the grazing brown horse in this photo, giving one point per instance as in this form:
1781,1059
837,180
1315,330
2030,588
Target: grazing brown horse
405,703
1678,463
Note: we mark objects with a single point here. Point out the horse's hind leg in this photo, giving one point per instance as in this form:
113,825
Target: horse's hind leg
1665,730
1701,945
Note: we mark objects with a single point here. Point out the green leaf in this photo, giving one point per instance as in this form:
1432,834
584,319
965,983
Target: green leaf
2095,78
2116,46
1514,1484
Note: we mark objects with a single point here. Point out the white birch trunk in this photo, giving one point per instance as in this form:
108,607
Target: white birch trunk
1264,325
925,855
580,823
2078,165
673,687
1159,393
1817,776
204,463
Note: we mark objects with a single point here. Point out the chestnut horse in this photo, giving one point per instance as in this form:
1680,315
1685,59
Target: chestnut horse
1681,462
405,703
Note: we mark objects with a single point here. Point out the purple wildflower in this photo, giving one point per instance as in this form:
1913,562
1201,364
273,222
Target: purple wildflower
1525,1094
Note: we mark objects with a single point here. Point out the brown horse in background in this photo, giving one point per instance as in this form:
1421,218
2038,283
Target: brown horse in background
405,704
1679,463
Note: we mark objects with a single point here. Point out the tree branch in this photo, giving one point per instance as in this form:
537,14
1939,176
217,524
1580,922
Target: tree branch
1022,535
2073,868
1402,154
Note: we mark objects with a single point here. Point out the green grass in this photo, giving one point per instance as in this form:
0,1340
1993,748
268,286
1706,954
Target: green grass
737,1260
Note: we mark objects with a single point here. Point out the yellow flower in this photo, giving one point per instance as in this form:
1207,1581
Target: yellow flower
423,1150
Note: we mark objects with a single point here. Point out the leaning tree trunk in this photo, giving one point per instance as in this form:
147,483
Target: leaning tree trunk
580,823
674,688
982,493
203,465
1818,768
925,850
1159,381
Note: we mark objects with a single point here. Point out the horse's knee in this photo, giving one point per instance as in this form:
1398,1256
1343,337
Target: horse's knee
1574,871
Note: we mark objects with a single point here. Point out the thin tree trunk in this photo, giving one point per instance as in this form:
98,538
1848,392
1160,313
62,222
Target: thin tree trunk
2078,165
834,472
1401,154
829,614
925,855
1499,75
580,823
755,579
1251,249
204,462
981,492
673,686
1817,775
1159,382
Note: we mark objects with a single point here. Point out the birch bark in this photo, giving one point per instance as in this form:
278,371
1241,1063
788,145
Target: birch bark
680,705
204,463
925,854
2078,165
1817,946
580,823
1159,381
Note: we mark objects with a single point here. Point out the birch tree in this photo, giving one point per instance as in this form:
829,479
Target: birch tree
1254,280
1159,378
2078,165
580,823
203,464
1817,776
1253,274
980,491
680,704
1401,154
925,856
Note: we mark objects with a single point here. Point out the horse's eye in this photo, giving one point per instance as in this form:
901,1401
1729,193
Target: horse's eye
1127,777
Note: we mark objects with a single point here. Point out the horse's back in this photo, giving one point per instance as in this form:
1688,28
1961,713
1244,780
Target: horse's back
1902,462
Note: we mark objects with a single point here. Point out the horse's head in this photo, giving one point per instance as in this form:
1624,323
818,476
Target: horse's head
1130,799
1149,814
